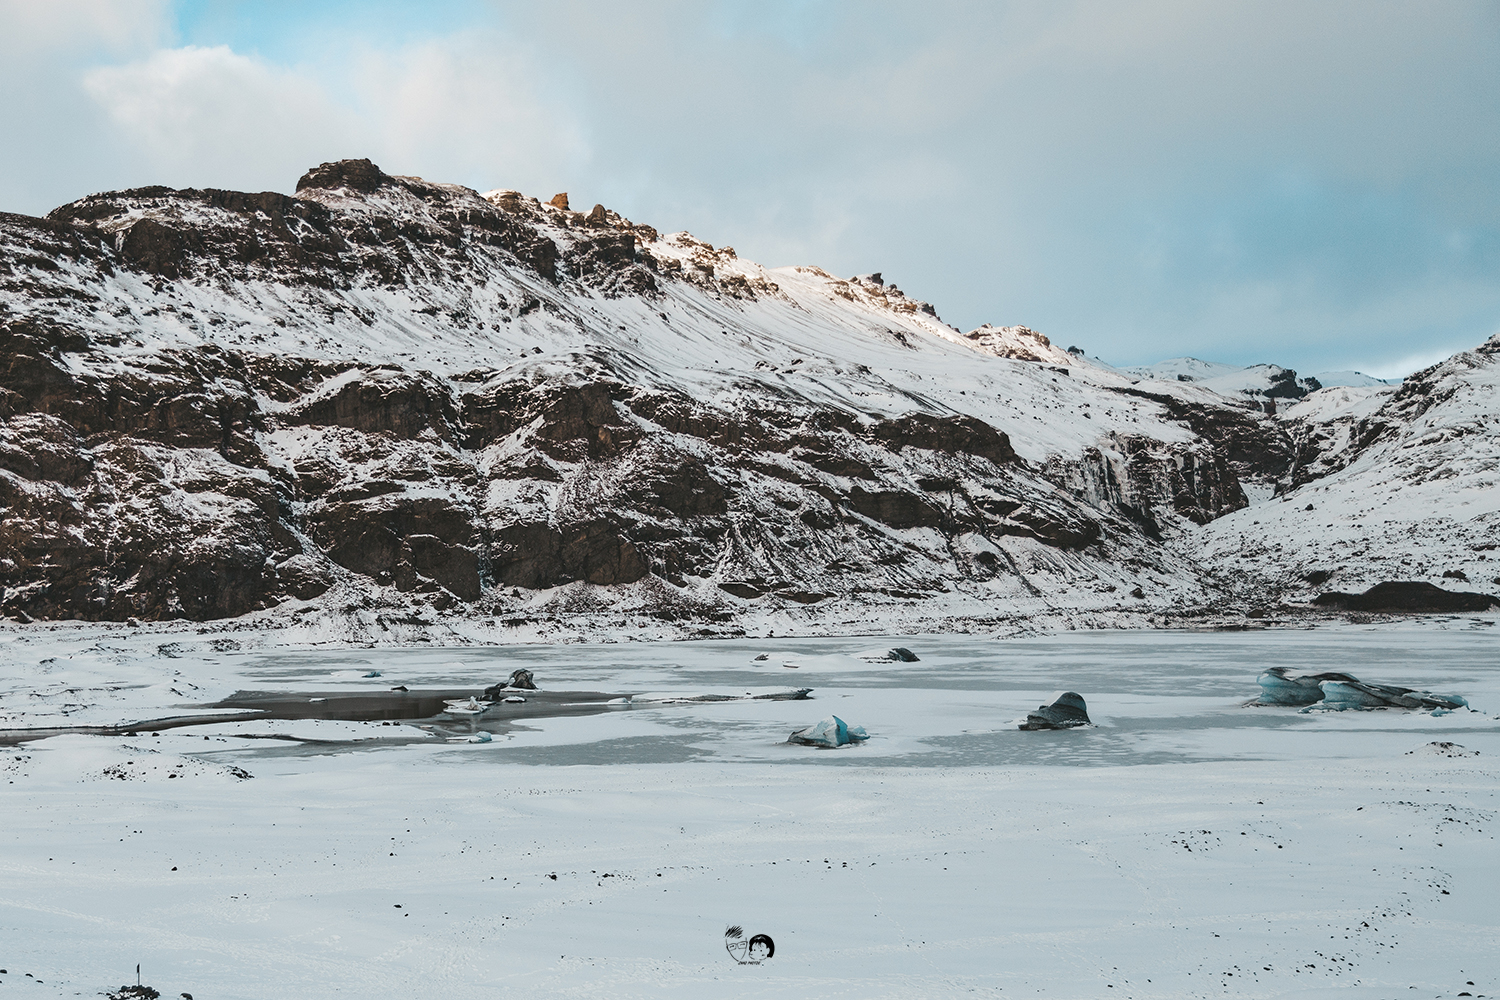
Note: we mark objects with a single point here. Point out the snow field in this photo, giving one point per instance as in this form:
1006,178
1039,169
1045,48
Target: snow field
1184,846
1164,880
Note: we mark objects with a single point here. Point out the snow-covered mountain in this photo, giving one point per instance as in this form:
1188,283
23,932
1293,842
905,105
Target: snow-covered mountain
389,397
1353,380
1270,382
1387,484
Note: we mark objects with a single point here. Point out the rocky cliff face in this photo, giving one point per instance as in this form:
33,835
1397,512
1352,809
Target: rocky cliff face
390,393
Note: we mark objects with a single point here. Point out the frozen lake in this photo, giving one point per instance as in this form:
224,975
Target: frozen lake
1154,697
1184,846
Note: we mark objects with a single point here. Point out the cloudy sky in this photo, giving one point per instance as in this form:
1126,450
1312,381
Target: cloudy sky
1314,184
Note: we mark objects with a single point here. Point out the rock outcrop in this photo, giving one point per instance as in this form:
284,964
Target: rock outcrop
1408,596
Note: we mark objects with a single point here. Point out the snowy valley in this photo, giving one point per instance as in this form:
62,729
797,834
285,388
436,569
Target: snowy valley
299,494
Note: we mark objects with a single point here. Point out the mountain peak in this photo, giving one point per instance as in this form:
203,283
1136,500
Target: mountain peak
355,175
1019,343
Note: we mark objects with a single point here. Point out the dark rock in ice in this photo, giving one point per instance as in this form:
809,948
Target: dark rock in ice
1277,687
1442,748
1408,595
1067,712
903,654
830,733
134,992
520,680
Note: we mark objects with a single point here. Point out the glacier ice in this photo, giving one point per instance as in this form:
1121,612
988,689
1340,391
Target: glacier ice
520,680
1067,711
1277,687
829,733
1339,695
1338,691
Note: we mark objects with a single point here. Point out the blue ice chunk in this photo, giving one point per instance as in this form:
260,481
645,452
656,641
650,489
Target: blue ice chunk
829,733
1277,687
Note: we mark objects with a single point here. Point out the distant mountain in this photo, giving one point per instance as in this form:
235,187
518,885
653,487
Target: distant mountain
1386,484
1329,380
384,400
1263,381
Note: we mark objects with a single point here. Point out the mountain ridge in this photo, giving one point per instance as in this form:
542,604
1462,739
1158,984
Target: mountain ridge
387,393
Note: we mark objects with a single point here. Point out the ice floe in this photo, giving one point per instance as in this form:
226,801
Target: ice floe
829,733
1336,691
1067,711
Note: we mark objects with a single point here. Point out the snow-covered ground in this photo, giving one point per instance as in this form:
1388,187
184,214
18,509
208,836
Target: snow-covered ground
1183,846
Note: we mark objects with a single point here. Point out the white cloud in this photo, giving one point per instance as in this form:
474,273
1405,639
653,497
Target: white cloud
452,109
1107,172
34,30
470,109
211,117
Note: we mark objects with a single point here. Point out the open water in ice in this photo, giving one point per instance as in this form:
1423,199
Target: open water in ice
1155,697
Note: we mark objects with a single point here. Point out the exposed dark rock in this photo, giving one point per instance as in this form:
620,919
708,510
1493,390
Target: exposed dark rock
396,402
1255,446
303,577
520,679
1408,595
896,508
953,435
355,175
1284,385
1194,481
571,421
537,555
133,992
425,561
388,532
744,591
683,490
1054,525
837,465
